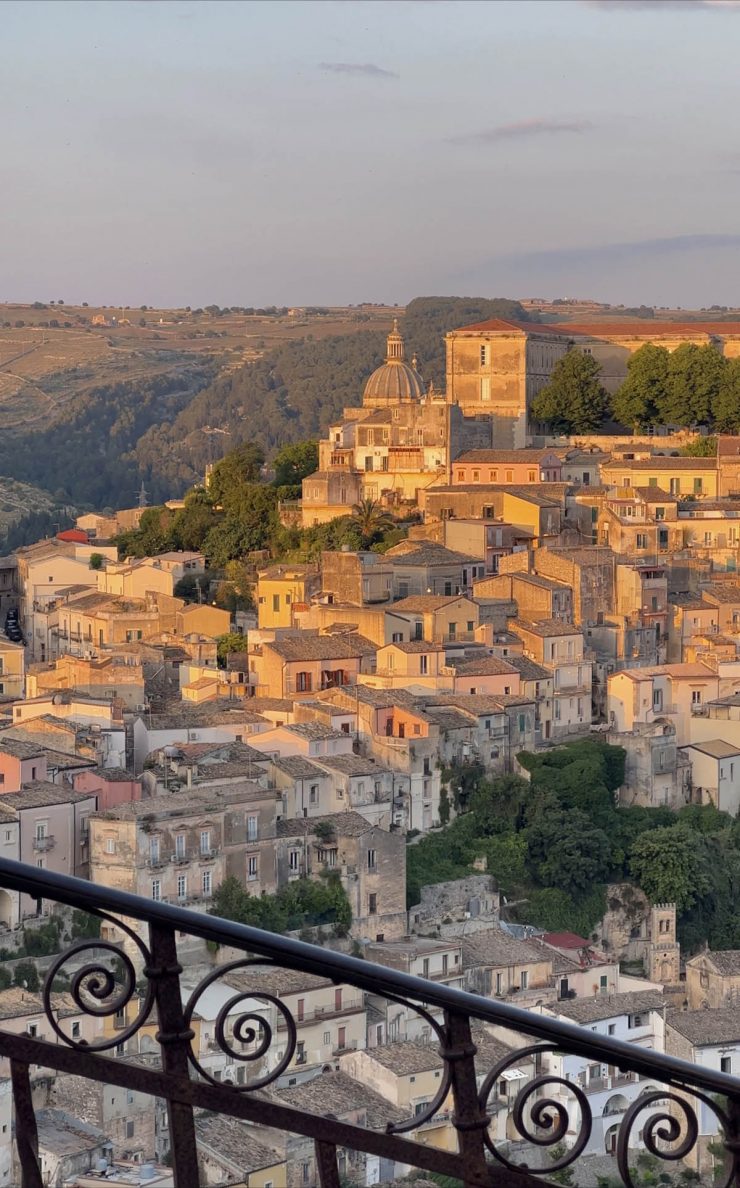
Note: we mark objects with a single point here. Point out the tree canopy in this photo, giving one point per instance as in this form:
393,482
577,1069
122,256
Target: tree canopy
690,386
574,401
554,842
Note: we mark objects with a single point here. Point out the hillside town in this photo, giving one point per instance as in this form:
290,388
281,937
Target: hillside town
418,752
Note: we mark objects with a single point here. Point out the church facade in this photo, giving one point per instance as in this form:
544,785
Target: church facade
403,438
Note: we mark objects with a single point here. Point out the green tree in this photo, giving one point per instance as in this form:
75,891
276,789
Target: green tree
694,382
564,850
671,865
703,447
295,462
227,644
644,392
27,975
236,468
371,519
96,560
249,523
574,401
727,403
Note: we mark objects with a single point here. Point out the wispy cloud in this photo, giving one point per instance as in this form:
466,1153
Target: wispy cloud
364,69
520,130
665,5
604,253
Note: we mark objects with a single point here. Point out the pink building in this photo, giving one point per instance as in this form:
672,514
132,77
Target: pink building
54,833
20,763
518,467
111,785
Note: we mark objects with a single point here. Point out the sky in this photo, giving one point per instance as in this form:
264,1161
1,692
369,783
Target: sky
339,151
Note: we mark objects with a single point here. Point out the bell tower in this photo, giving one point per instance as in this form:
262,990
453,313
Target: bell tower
663,950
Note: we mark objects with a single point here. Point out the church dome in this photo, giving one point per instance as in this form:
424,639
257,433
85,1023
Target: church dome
395,381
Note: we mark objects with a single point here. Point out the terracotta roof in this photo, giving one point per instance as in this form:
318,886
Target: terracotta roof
502,457
233,1141
405,1057
413,646
609,1006
485,666
426,552
339,1094
421,603
39,793
547,627
494,947
704,1028
725,961
566,940
528,670
304,646
661,462
349,824
647,328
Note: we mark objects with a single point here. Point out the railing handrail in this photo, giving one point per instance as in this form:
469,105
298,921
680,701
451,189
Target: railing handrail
377,979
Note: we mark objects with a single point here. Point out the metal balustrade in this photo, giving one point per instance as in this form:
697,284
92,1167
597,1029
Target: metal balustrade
105,979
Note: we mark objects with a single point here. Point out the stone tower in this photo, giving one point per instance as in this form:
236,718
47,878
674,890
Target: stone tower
663,957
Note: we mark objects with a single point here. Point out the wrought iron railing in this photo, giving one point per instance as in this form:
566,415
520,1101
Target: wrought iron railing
550,1111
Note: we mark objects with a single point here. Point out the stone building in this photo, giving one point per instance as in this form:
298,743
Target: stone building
370,862
713,980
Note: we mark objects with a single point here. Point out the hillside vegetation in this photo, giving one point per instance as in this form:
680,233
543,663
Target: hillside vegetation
554,842
90,413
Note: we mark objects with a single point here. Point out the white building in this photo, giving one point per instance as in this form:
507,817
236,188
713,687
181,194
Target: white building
636,1018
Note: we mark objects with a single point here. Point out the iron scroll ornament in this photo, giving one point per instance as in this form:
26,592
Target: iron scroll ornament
249,1027
679,1131
95,989
549,1116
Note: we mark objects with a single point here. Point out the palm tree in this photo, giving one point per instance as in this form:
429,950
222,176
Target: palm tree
372,519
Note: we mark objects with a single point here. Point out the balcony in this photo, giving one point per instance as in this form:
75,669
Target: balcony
42,845
146,992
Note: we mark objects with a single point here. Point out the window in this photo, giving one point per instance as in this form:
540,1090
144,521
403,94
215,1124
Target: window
294,861
328,857
110,845
327,1038
485,355
313,794
303,682
341,1037
205,841
603,982
725,1064
301,1009
509,476
445,962
485,389
696,696
372,904
641,540
372,860
674,486
32,1029
338,998
276,603
182,886
156,889
129,1130
75,1029
207,884
252,828
697,486
252,868
612,1028
154,849
423,665
532,475
524,980
180,845
306,1172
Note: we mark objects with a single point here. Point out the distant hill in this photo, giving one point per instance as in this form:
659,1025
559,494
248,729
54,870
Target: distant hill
89,411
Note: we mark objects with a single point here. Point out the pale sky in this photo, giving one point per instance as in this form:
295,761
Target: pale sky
369,150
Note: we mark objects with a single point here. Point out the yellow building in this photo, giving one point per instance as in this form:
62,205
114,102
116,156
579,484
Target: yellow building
283,588
201,619
12,668
408,1075
682,477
